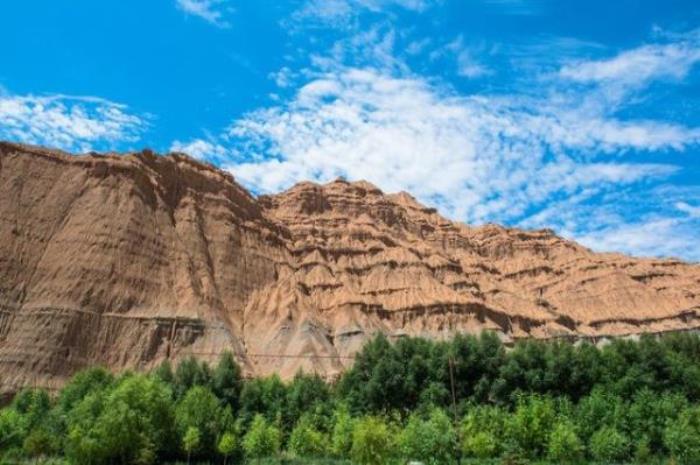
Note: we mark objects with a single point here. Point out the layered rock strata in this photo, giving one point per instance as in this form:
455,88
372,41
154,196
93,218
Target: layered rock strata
128,260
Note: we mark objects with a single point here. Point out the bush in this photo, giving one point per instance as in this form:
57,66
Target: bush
430,441
306,441
609,445
262,439
528,428
371,442
341,436
199,409
481,431
682,437
564,444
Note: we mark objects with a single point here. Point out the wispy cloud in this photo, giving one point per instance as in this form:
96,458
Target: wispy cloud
475,157
212,11
559,155
638,66
343,13
71,123
465,57
203,150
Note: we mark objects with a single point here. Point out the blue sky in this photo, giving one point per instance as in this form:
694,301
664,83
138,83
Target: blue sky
581,116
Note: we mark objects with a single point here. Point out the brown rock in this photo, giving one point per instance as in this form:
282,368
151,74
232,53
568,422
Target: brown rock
126,260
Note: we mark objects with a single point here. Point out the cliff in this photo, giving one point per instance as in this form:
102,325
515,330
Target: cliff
126,260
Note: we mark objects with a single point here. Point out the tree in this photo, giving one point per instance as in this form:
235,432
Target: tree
227,381
564,444
481,431
264,396
13,427
227,445
134,423
609,445
431,441
341,435
682,437
199,408
262,439
190,441
83,383
307,441
372,442
190,373
528,428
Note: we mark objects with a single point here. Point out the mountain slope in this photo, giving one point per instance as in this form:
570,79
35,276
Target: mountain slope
126,260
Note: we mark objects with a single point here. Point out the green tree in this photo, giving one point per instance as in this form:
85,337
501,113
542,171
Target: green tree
133,423
83,383
189,373
199,408
527,430
227,381
481,431
372,442
191,441
13,428
431,441
39,442
262,439
227,445
307,441
564,444
609,445
682,437
341,435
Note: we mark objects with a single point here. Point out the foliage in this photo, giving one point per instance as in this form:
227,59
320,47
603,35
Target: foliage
556,401
609,445
372,442
431,441
262,439
199,409
682,437
481,431
564,444
306,440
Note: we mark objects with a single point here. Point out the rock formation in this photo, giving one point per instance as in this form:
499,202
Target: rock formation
127,260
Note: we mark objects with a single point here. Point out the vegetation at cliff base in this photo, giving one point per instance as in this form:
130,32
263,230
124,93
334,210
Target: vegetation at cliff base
557,402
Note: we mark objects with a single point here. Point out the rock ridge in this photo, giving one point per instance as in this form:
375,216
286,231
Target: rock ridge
127,260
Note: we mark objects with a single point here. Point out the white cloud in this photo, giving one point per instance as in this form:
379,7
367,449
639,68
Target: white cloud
341,13
640,65
661,236
467,64
202,150
71,123
212,11
478,158
556,155
690,210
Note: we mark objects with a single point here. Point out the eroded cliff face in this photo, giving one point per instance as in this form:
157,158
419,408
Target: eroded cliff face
126,260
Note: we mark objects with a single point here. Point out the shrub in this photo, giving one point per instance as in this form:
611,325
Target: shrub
431,441
609,445
262,439
564,444
481,429
682,437
371,442
528,428
306,441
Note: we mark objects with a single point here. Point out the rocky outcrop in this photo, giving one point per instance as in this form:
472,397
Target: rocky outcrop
126,260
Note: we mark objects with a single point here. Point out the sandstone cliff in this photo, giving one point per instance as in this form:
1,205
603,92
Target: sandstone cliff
126,260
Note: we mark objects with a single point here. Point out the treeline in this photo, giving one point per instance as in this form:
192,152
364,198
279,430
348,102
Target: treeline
411,400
